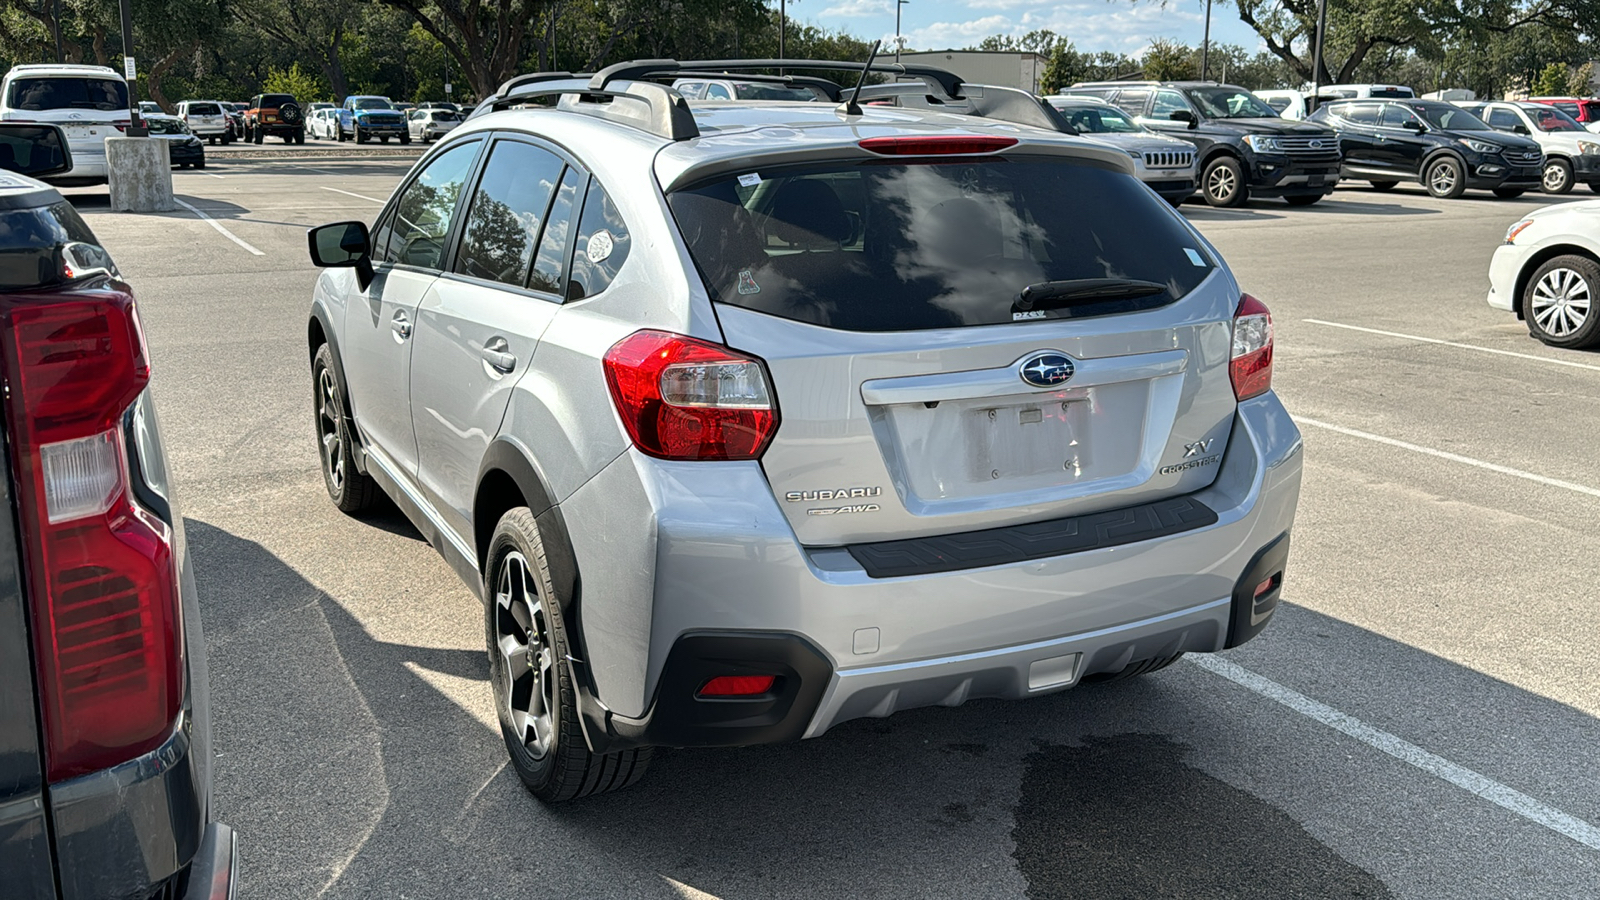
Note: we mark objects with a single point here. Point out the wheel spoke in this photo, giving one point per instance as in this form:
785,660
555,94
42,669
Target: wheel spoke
525,656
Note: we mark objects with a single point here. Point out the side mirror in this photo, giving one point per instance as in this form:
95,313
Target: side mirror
1520,129
1415,125
1184,115
37,150
343,245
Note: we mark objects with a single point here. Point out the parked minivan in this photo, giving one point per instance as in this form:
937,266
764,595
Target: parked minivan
90,103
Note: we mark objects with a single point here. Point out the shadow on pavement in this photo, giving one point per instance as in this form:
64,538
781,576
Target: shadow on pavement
358,766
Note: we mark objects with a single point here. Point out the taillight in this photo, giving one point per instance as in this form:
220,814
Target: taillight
121,124
682,398
100,568
1251,367
920,145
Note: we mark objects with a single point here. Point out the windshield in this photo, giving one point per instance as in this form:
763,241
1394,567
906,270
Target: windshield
166,126
443,115
370,103
1229,103
104,94
1447,117
1390,94
757,91
1549,118
1097,119
902,246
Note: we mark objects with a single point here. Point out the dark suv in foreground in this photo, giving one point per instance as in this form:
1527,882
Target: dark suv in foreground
1246,149
105,731
1439,144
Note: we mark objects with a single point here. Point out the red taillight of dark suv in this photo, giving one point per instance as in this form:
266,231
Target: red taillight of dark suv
99,565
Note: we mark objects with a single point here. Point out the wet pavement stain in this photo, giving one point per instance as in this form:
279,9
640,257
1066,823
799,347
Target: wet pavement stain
1125,816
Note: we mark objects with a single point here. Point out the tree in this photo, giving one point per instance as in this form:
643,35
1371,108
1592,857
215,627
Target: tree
1167,60
1552,81
296,82
316,30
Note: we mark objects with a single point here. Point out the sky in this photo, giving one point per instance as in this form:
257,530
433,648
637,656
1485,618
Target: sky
1092,25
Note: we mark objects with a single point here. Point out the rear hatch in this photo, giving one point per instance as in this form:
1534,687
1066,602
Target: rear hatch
89,109
919,392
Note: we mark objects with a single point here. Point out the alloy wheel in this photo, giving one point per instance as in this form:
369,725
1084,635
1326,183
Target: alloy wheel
328,411
1561,302
1221,184
1443,178
522,641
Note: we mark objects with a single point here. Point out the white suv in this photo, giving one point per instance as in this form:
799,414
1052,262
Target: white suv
90,103
206,119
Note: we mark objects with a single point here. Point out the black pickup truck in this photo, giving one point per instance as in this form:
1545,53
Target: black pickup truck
105,741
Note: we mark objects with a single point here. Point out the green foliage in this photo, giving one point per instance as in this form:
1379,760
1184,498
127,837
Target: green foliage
304,86
1167,60
1551,82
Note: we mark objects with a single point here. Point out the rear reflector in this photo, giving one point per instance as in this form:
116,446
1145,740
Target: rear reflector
1251,366
736,686
918,145
100,570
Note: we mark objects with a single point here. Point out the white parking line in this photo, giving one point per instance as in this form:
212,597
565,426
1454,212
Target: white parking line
1454,457
1462,777
1428,340
218,226
351,194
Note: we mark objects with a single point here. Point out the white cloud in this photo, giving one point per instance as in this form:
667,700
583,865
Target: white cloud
1090,24
948,35
857,9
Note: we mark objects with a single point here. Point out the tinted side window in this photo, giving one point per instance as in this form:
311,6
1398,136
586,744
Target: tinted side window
1167,103
602,245
1133,102
507,211
717,92
552,255
1360,114
1503,118
1396,116
30,240
415,232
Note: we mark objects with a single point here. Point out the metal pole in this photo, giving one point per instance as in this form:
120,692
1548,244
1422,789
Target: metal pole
60,57
135,122
898,41
1316,61
1205,44
783,25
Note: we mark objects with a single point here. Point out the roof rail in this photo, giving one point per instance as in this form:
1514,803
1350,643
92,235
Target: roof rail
946,81
986,101
650,107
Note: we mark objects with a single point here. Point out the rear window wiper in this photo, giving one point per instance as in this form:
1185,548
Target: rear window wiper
1072,291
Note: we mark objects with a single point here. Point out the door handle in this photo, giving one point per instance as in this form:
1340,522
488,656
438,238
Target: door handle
494,353
401,325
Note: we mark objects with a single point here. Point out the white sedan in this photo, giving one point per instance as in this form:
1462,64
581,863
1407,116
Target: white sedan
1548,273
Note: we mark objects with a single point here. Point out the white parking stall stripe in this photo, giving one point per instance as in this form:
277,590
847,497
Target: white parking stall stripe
1428,340
1462,777
352,194
1453,457
218,226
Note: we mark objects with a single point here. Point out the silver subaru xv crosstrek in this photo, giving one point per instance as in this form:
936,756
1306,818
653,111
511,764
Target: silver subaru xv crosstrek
746,419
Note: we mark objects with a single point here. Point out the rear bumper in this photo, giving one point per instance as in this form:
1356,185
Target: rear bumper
717,555
213,875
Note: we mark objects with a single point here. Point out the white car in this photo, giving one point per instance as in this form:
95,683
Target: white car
1571,153
1548,273
206,119
1294,104
323,124
431,124
90,103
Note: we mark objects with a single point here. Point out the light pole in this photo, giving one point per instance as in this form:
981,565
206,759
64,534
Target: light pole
1205,43
135,121
1316,57
899,42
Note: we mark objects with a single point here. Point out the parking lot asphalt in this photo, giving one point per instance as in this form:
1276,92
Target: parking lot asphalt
1419,721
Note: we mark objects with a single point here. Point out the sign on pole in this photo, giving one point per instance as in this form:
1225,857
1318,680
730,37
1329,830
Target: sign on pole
128,70
448,87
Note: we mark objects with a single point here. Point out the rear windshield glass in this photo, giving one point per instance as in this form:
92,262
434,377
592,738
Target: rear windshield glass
204,109
907,246
104,94
758,91
166,126
273,101
1391,93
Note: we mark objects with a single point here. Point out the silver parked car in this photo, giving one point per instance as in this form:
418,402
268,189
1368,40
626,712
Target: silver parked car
428,125
206,119
1164,163
747,420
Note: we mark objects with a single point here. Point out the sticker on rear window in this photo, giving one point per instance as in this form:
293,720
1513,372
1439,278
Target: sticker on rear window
1195,257
747,283
749,180
600,244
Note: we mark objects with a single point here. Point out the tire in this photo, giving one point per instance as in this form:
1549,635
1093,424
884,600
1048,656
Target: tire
351,490
405,139
1303,199
1595,186
525,629
1557,177
1223,183
1384,185
1509,193
200,165
1444,178
258,134
1133,669
355,131
1559,302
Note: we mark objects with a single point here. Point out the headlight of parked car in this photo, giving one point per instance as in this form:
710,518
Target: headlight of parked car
1262,143
1588,148
1480,146
1516,229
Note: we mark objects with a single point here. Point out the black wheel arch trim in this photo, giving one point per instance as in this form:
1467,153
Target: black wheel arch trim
1433,156
321,321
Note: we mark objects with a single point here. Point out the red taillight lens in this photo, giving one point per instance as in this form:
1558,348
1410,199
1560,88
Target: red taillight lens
918,145
1251,367
100,569
682,398
736,686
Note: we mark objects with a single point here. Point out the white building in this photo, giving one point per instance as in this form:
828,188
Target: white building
999,67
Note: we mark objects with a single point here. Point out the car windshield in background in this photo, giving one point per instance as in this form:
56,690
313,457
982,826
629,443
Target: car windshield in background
1446,117
757,91
204,109
443,115
371,103
1229,103
899,247
1550,118
40,94
165,126
274,101
1098,119
1390,94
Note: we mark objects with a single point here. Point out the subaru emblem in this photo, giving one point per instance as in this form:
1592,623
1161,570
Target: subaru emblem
1046,370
